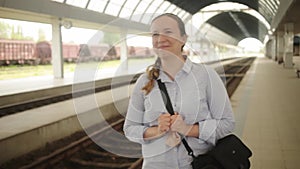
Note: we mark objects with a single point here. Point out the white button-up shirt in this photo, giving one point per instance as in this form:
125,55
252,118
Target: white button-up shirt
198,94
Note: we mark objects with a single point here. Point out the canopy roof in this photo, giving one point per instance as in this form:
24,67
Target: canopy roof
137,14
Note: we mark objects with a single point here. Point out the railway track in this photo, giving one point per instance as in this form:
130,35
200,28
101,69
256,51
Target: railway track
235,72
82,152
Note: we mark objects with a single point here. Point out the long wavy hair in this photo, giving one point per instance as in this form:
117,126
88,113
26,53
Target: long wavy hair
153,70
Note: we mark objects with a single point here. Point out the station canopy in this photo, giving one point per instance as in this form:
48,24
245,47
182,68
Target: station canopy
253,18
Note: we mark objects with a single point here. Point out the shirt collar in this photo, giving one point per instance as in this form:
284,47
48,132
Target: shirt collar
187,67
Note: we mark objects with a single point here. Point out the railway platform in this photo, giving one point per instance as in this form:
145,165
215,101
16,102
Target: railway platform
266,106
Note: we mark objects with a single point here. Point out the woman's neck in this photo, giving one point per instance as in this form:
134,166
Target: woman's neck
172,65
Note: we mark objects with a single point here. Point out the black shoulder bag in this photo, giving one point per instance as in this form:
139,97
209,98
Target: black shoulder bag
229,153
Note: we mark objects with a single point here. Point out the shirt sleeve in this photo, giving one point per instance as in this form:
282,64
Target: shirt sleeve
133,126
221,122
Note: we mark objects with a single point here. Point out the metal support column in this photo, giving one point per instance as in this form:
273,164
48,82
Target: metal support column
279,46
124,52
57,57
271,48
288,45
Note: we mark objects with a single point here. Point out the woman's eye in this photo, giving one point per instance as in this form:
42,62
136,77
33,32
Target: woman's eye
155,34
168,32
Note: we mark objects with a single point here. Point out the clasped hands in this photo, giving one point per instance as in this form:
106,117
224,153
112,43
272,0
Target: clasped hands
168,122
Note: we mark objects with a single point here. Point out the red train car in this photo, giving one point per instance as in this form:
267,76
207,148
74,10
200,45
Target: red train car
70,52
29,52
16,52
42,53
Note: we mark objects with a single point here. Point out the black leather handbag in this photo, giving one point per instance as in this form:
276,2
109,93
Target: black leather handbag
229,153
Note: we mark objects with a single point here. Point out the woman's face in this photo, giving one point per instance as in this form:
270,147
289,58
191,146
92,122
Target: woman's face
166,38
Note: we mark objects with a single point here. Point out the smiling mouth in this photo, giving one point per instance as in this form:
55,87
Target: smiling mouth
163,47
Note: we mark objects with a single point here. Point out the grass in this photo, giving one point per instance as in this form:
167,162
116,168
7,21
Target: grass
23,71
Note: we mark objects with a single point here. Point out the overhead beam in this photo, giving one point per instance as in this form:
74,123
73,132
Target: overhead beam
44,10
239,24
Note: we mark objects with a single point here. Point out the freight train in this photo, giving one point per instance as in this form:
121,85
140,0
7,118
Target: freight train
29,52
20,52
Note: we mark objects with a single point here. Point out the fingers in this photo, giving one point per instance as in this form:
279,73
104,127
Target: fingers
168,122
164,122
178,124
176,117
173,118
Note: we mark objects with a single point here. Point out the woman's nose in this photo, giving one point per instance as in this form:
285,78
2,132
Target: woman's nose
161,38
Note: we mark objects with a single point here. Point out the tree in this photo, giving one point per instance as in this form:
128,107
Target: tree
11,32
18,34
5,30
42,35
111,38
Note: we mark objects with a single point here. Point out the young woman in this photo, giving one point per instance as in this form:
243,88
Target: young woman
202,108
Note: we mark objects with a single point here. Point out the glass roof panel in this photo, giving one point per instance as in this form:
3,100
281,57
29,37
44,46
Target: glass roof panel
157,2
140,10
61,1
265,12
271,5
171,9
125,13
267,7
177,10
147,1
146,18
160,11
128,8
78,3
181,13
151,9
118,2
142,6
185,16
137,16
113,9
131,3
163,7
97,5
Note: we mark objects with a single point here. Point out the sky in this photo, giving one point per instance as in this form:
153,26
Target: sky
251,44
69,35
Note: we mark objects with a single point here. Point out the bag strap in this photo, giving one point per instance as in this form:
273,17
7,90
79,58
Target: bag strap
169,107
165,97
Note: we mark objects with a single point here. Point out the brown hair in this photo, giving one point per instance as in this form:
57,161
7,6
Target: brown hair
153,70
177,19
